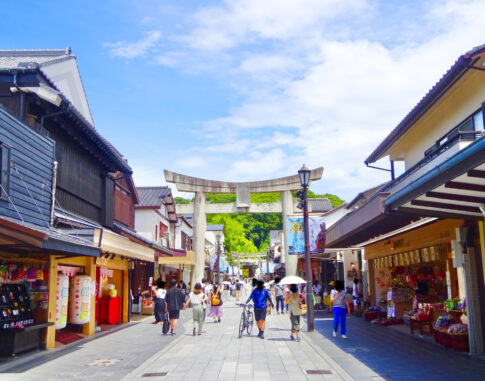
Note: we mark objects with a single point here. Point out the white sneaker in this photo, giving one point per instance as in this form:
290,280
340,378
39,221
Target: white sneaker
334,334
344,336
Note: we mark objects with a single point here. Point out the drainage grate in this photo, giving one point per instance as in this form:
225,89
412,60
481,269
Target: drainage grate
157,374
318,371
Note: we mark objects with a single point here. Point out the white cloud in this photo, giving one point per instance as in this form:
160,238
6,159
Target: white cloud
319,81
135,49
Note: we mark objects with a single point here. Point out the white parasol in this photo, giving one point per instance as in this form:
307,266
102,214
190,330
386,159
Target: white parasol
292,280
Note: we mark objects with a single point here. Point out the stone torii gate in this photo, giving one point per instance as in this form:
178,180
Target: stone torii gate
243,204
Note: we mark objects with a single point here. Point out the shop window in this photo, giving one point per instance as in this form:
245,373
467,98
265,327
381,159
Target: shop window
4,170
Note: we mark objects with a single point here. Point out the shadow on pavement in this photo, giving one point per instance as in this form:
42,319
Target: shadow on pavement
395,354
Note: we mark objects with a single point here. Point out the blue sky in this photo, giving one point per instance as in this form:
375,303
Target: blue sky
245,90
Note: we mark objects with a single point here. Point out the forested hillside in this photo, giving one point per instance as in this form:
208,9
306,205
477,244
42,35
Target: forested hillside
249,233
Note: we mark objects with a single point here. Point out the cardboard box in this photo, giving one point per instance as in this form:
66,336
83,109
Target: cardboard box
147,307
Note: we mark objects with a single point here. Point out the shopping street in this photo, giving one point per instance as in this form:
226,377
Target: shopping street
140,351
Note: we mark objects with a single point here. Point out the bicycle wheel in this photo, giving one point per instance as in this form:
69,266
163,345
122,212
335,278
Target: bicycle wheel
242,324
249,326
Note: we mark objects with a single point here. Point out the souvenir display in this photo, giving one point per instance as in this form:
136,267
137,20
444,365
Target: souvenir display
15,310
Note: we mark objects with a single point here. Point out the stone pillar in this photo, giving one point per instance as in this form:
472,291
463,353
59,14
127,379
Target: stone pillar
198,237
239,274
291,261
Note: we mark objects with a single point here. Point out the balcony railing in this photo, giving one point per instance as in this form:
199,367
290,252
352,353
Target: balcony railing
442,146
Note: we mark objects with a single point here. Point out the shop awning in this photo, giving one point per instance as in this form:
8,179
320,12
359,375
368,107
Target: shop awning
116,244
368,221
187,259
453,189
22,236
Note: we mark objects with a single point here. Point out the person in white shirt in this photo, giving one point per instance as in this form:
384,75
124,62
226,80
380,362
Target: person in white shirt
159,301
197,299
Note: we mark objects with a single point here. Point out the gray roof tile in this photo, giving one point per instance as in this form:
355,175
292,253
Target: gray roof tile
152,196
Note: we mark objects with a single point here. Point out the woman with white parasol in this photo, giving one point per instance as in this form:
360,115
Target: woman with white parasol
292,299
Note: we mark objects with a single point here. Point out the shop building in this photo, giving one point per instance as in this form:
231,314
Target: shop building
30,246
44,89
442,144
156,220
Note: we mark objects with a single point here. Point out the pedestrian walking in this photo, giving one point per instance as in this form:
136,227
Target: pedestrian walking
260,297
278,291
197,298
318,292
294,303
175,300
340,307
159,302
238,290
215,310
356,294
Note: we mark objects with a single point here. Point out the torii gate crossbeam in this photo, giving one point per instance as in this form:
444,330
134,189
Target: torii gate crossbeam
242,190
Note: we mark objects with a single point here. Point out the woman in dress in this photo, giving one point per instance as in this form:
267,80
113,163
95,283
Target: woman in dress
215,299
197,298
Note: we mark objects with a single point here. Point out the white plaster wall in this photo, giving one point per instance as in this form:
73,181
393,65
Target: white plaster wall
67,78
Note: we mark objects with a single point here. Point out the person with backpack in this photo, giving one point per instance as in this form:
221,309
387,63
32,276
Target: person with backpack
215,299
197,298
260,296
294,302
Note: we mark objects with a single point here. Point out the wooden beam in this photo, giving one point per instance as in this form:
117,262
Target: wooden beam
404,210
465,186
476,173
445,206
456,197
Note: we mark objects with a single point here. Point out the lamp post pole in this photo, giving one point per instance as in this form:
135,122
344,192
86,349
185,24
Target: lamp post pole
267,261
305,179
218,238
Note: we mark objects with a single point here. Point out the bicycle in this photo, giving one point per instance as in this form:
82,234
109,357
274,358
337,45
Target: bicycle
247,319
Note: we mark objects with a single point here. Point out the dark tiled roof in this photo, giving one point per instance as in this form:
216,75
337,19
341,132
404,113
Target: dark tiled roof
363,196
457,70
9,61
152,196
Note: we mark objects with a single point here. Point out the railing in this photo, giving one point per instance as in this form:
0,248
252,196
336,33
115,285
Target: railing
452,138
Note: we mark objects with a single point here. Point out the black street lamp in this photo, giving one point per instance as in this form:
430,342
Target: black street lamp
218,242
304,174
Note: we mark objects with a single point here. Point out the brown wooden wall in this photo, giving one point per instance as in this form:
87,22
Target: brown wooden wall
124,209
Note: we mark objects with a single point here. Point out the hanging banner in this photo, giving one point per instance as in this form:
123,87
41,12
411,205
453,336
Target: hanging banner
296,235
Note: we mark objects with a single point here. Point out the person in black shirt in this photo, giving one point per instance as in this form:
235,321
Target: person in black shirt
175,300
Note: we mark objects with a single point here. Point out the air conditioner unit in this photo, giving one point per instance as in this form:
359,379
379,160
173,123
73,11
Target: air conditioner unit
166,237
163,242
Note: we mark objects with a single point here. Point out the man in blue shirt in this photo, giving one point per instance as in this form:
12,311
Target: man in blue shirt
259,296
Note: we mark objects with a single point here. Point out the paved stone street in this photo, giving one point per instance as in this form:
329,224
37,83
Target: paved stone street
105,358
373,352
142,352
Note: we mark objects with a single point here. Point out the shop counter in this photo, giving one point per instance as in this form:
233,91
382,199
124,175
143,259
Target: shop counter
16,340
